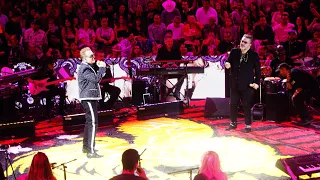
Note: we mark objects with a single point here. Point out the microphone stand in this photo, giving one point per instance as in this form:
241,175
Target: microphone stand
64,167
140,156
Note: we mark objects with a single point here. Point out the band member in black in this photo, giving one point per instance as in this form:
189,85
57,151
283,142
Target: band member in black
169,52
47,71
245,76
89,95
113,91
302,86
281,58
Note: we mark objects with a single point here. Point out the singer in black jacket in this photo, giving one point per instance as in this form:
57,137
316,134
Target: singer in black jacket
245,76
89,95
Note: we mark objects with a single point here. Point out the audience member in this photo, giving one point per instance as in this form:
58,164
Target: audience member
130,164
40,168
210,167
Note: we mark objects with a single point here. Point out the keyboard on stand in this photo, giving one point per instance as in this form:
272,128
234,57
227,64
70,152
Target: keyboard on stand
169,71
300,165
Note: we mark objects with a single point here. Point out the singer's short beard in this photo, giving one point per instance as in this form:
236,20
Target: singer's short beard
243,49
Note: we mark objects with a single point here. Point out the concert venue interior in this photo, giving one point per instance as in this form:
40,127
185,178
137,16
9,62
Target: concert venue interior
150,48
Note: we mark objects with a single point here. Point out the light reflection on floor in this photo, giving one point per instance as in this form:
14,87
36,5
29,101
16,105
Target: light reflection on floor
171,145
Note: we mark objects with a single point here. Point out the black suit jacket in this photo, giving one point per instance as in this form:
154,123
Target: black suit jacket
245,73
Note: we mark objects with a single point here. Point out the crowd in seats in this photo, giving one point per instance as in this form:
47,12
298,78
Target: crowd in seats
210,168
35,30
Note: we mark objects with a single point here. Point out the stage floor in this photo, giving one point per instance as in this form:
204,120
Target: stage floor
172,144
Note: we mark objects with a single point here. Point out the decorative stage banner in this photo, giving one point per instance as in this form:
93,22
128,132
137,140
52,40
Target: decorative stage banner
209,84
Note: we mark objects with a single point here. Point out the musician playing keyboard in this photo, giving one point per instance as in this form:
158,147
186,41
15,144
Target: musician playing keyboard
169,52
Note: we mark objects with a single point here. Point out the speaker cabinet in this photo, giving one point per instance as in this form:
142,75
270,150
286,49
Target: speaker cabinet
277,107
217,107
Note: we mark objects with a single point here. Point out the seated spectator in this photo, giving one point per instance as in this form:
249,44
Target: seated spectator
204,12
73,51
185,11
281,30
177,28
105,36
294,11
226,44
87,37
13,26
151,11
210,167
254,14
116,52
136,52
157,30
212,26
315,25
69,34
130,159
222,13
121,28
302,30
294,48
237,14
145,44
263,32
192,44
194,25
54,36
184,50
277,16
138,14
229,27
311,47
127,44
35,43
246,26
40,168
170,12
139,27
84,12
211,41
96,18
16,53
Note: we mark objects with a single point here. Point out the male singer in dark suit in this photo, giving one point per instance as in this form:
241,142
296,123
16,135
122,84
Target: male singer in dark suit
245,76
169,52
89,95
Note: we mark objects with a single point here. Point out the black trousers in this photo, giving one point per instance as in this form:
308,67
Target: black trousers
245,97
177,89
114,93
300,106
91,114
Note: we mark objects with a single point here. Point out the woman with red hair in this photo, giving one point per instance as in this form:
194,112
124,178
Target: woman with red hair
40,169
210,168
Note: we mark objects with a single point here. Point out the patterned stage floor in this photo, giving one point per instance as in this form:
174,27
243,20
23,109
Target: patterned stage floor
172,144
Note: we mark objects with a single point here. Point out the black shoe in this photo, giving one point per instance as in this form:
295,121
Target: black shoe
302,123
232,126
93,155
247,130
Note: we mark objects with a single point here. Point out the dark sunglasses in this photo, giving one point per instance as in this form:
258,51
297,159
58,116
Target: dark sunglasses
245,42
